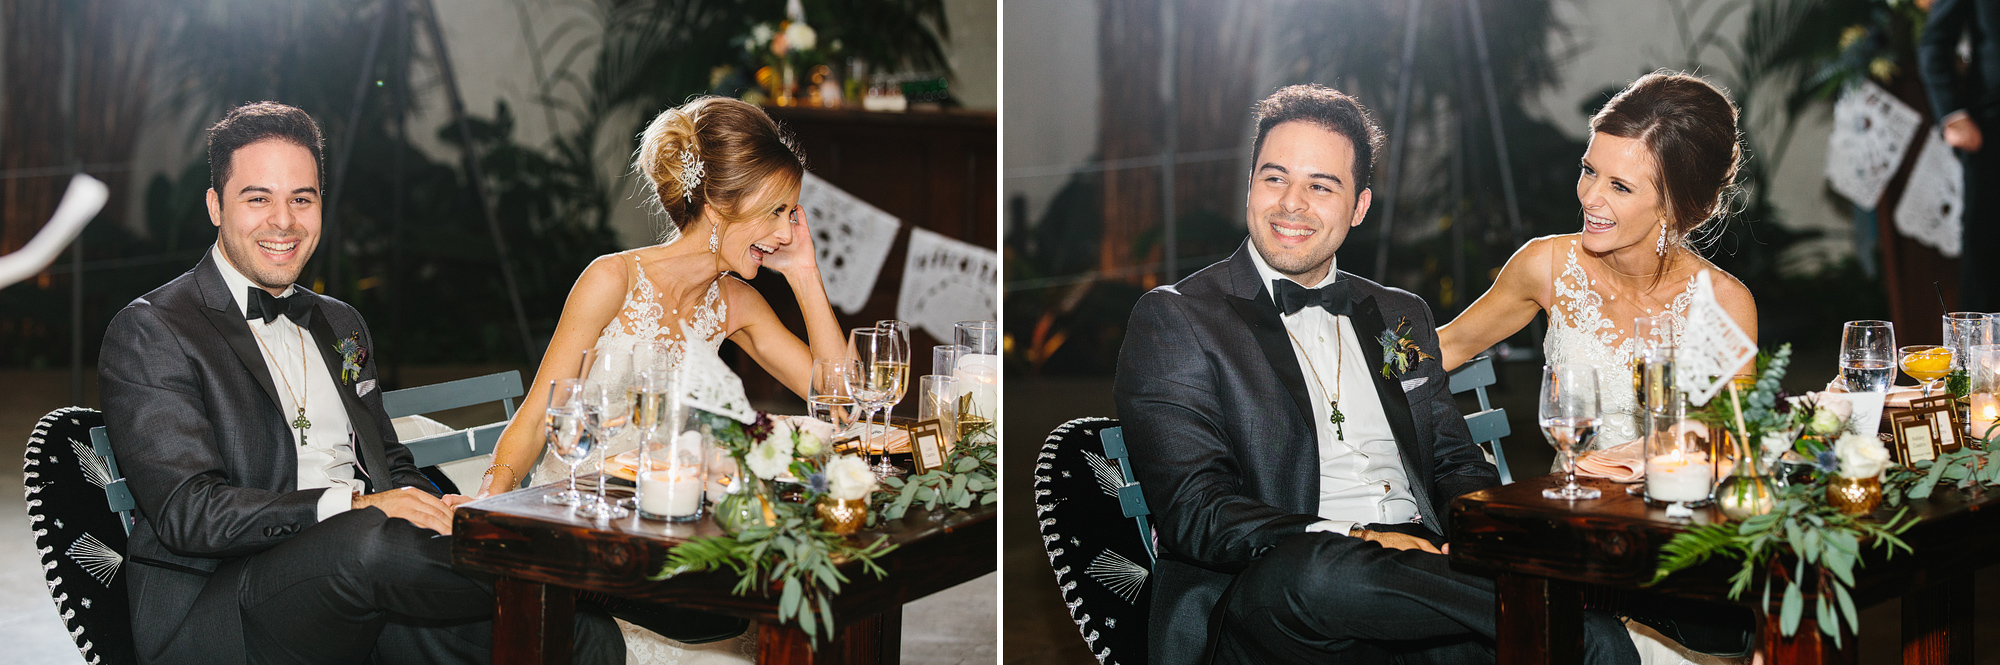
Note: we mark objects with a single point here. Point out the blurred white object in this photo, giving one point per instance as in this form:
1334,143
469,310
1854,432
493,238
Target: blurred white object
80,203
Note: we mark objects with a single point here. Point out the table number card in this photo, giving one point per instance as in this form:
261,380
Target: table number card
851,240
927,445
1929,210
1917,436
946,281
1871,130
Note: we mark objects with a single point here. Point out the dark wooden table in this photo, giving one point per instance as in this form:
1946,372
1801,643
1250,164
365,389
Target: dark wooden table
541,552
1545,555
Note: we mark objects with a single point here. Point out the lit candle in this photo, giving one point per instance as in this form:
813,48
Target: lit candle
1985,412
1678,477
673,492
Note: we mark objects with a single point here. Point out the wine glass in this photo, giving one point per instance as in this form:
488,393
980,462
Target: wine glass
608,394
1868,356
1569,419
563,427
883,372
899,365
832,389
1926,363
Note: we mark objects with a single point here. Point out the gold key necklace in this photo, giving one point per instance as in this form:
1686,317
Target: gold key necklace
300,423
1333,414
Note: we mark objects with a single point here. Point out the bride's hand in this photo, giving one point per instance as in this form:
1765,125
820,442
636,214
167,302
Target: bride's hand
798,257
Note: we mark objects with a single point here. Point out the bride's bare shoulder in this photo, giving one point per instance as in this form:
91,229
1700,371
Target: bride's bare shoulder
605,276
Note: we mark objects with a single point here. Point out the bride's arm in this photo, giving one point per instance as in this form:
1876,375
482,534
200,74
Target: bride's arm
1505,309
592,303
766,339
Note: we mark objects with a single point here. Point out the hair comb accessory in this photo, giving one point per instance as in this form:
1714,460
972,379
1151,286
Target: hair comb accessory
691,174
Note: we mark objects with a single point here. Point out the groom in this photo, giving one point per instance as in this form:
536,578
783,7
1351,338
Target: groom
279,519
1300,481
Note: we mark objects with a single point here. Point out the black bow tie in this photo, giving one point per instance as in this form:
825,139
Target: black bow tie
268,307
1334,298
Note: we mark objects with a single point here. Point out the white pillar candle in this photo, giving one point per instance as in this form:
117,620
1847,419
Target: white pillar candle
1984,414
1679,477
672,492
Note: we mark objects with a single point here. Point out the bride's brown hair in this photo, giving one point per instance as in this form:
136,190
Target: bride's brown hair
739,150
1690,127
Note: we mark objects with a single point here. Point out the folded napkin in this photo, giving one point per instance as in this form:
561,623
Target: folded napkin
1624,463
1898,396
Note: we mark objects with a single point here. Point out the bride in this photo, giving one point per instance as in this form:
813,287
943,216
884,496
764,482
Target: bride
1661,165
728,179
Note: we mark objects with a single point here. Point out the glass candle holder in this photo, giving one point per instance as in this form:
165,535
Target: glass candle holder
1983,391
937,398
671,474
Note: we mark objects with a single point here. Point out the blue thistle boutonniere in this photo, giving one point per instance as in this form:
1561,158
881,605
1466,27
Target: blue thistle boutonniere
1400,350
352,357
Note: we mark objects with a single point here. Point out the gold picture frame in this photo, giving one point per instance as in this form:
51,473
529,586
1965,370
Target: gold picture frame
1953,431
927,445
1917,436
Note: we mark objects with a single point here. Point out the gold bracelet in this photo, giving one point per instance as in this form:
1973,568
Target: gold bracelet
510,471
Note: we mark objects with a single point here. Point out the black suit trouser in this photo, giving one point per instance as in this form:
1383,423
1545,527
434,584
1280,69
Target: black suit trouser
363,587
1321,597
1979,270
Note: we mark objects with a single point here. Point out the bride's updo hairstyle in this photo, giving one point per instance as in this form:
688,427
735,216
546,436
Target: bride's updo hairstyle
739,151
1690,127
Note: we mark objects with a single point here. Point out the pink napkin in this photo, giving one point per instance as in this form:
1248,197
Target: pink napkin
1624,463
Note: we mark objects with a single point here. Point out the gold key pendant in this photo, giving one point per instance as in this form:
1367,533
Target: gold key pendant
1335,417
302,424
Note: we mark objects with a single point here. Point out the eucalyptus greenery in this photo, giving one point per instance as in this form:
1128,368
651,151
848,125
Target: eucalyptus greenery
796,556
969,477
1809,531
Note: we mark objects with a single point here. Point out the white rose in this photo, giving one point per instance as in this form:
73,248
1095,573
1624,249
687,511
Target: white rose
809,445
848,478
769,458
761,33
801,36
781,428
1860,455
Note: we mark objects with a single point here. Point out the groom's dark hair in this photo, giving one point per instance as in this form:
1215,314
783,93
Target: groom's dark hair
258,121
1329,109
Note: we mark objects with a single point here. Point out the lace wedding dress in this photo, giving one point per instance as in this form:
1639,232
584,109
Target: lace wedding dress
692,340
1580,332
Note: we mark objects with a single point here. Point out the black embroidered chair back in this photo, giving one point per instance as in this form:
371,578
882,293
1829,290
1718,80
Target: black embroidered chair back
1095,530
80,537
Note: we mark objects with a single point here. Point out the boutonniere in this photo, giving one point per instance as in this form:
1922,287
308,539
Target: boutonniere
1400,350
352,357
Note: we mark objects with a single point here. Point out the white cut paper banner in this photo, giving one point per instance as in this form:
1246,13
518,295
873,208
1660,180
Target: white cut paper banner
946,281
1713,347
1871,130
1929,211
852,240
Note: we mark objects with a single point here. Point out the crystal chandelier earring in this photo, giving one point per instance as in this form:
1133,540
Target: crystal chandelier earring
714,237
1660,247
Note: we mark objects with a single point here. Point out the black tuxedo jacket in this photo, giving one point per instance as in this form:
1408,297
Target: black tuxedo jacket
1215,412
1978,90
194,420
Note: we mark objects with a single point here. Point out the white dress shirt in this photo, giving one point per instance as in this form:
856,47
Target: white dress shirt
1361,477
326,457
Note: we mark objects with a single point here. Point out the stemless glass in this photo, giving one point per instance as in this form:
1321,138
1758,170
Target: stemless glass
1569,419
1962,331
937,398
1926,363
1868,356
564,432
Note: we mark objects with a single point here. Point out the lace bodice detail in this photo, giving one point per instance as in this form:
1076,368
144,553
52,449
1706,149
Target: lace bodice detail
644,318
1579,332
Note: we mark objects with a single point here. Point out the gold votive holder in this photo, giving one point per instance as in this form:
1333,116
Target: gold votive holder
842,516
1854,496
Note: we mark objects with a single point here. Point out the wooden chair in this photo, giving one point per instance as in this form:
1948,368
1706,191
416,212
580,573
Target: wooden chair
1488,425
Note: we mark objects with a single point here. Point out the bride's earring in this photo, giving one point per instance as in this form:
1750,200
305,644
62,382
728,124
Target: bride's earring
714,238
1660,247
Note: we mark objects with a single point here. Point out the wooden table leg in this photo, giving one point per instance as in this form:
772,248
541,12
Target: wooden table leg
532,623
1806,646
876,639
1539,620
1937,623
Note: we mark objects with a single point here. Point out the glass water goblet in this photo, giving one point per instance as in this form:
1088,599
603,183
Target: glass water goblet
832,391
566,434
1569,416
1868,356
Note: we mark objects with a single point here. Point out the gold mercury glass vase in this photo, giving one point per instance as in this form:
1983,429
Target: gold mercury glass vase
1854,496
842,516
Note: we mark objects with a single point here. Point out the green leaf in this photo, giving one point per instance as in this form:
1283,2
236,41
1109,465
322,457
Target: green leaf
1847,607
1788,618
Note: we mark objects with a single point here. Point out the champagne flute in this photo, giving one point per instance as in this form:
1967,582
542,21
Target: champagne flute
564,433
1868,356
1926,363
896,363
1569,418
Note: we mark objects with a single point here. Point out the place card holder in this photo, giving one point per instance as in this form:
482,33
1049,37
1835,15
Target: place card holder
1956,424
927,445
1917,435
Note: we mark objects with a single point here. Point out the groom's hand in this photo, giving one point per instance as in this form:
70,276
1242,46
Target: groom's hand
411,504
1397,541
